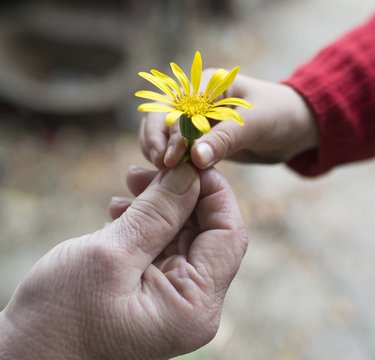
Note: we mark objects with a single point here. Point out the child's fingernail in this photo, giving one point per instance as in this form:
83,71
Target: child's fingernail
205,153
169,152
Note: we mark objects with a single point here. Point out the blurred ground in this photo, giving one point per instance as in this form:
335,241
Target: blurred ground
305,289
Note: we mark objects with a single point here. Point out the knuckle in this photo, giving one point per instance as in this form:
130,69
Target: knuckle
243,240
223,141
240,240
201,326
174,136
161,213
153,139
147,221
209,323
99,258
152,130
265,136
174,129
145,151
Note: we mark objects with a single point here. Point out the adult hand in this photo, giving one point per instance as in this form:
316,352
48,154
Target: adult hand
279,127
150,285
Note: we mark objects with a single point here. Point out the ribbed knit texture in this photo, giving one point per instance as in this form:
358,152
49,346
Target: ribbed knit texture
339,86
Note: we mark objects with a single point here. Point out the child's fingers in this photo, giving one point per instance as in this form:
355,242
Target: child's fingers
222,141
175,149
153,136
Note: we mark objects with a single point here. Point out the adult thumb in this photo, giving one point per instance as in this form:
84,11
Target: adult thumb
157,215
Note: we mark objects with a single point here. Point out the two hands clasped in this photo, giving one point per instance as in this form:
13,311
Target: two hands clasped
151,284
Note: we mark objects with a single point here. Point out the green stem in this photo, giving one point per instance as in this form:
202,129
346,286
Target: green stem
189,133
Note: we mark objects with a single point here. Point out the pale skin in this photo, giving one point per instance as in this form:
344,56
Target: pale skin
280,126
150,285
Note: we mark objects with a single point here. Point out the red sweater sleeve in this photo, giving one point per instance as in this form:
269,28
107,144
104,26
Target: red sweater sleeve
339,86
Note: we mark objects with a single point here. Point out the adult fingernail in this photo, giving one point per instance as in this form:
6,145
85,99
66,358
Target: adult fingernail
119,200
178,180
205,153
136,168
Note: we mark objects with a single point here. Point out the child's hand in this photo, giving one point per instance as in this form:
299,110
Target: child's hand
279,127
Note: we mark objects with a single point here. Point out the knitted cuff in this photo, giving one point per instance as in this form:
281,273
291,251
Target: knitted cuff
339,86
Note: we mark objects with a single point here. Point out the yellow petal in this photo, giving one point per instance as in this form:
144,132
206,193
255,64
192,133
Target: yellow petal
151,95
201,123
215,80
172,117
182,78
225,83
168,80
157,82
234,102
154,107
222,114
196,72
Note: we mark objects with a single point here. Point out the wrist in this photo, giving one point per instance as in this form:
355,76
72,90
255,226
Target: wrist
12,344
20,340
304,124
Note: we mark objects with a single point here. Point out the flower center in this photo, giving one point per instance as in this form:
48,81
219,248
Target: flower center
194,105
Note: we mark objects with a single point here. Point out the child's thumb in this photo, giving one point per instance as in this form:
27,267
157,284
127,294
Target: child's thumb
222,141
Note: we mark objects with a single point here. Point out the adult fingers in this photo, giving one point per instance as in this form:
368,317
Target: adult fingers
138,178
156,216
218,251
118,205
153,137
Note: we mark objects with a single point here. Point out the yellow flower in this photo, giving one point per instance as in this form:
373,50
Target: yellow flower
187,100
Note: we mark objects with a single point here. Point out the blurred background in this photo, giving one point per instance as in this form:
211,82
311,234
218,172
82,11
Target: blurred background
68,132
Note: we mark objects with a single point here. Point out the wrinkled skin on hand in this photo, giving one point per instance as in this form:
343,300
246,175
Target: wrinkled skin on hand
150,285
